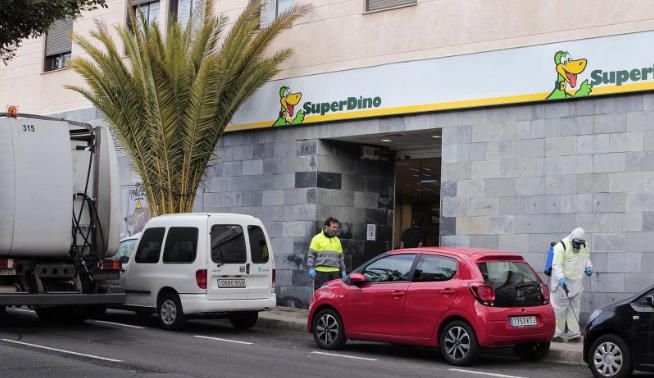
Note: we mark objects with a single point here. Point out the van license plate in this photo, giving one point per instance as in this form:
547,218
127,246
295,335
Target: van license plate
8,272
522,321
231,283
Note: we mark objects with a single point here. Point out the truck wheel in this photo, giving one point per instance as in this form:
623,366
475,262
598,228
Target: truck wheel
458,343
171,314
532,351
243,320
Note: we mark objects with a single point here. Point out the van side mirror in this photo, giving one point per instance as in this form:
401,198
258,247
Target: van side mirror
357,278
650,300
124,259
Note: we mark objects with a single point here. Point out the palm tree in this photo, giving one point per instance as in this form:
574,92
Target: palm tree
169,101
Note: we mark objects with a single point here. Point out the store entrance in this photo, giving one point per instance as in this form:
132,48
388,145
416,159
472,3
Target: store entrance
417,198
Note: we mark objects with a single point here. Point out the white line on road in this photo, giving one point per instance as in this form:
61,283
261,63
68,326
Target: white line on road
484,373
61,350
225,340
117,324
344,356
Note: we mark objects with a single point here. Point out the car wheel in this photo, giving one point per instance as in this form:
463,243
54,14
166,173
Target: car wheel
459,343
609,356
243,320
328,329
171,314
532,351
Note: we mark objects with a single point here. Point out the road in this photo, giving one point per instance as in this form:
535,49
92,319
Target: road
123,344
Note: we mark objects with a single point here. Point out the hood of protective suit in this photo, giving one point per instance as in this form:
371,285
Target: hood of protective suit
577,233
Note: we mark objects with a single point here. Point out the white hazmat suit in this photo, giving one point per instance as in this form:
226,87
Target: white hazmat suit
570,264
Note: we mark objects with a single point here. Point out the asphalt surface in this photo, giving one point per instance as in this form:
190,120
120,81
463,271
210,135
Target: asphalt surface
123,344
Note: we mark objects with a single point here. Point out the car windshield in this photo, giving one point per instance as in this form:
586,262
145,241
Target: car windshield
126,248
515,283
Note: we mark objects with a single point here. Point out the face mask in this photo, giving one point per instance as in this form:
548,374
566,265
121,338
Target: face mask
329,233
577,244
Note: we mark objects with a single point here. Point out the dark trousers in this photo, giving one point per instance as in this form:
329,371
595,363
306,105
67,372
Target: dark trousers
322,277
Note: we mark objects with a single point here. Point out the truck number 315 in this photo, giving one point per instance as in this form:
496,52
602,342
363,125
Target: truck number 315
28,128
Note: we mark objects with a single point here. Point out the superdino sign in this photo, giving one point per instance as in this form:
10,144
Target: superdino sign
556,71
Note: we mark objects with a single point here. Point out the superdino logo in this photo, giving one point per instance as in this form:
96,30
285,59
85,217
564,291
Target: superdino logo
567,70
289,101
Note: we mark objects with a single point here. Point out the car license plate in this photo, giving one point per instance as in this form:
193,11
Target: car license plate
8,272
522,321
231,283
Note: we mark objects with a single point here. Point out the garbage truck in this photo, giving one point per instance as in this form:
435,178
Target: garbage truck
60,217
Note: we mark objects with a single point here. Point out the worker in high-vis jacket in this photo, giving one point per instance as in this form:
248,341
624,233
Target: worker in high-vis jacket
325,260
571,261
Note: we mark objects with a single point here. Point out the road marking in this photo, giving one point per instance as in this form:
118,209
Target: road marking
483,373
62,351
117,324
344,356
225,340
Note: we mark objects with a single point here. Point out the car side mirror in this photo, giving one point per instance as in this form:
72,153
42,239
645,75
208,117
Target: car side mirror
357,278
650,300
124,259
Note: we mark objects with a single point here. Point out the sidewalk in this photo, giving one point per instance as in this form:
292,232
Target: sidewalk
296,319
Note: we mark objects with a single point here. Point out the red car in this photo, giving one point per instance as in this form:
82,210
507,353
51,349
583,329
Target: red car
458,299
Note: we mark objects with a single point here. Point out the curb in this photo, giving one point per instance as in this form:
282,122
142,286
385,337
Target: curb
558,353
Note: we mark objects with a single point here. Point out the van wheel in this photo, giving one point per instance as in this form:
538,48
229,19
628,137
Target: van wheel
459,344
609,356
243,320
328,331
171,314
532,351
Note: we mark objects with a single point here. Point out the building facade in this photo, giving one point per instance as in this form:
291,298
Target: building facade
453,112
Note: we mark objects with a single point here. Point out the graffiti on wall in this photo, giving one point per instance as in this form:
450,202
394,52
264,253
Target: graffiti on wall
137,209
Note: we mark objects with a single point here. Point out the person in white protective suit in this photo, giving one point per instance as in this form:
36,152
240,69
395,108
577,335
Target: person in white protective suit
571,261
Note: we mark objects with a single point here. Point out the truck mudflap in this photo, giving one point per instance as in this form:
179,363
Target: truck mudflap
61,299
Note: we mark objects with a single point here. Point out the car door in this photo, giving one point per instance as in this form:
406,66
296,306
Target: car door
375,306
644,320
260,266
227,262
430,295
139,276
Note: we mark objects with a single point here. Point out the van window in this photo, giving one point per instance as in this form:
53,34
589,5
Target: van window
181,245
258,245
435,268
228,244
150,246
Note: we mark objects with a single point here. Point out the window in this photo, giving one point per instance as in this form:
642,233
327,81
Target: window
228,244
375,5
435,268
185,10
149,10
181,245
515,284
126,248
58,45
258,245
389,269
642,301
271,9
150,246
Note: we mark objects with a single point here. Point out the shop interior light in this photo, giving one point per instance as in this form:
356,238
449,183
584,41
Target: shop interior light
386,140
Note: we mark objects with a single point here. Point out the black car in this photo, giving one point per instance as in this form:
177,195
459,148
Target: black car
620,337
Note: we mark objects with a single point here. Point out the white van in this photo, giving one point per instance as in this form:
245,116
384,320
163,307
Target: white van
201,264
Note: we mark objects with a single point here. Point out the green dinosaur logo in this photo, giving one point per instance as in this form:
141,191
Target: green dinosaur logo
287,114
567,70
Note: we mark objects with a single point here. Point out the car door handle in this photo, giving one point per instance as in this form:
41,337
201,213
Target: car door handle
398,294
448,291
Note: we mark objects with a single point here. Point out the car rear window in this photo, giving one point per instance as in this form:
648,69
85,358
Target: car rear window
515,283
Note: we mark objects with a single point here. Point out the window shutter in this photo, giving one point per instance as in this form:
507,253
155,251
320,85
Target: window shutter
373,5
57,40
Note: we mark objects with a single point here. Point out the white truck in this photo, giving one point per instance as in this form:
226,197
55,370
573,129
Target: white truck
60,216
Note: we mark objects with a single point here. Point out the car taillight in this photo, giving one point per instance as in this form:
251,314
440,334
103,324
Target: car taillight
483,293
274,278
111,265
7,264
545,291
201,278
